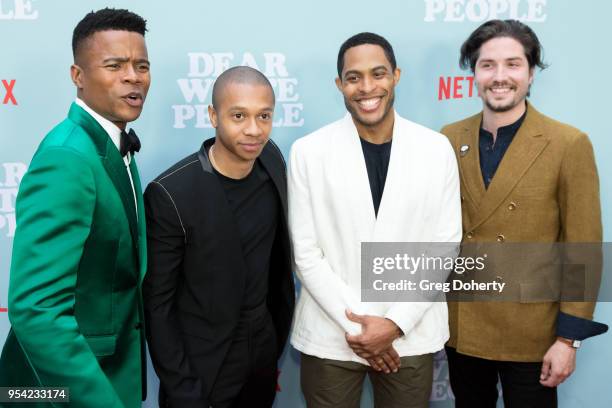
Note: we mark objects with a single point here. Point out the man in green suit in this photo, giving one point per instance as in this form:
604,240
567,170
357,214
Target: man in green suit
79,253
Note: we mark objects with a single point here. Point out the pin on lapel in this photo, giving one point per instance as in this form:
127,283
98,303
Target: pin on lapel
463,150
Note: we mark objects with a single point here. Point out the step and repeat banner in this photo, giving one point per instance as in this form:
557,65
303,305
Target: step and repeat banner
295,45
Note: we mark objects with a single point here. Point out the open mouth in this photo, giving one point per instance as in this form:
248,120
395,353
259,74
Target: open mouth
370,104
501,90
133,99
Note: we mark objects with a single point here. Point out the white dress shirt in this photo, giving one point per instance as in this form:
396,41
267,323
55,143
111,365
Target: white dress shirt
115,134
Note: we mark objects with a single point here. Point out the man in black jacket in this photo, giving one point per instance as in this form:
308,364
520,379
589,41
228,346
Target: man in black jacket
219,292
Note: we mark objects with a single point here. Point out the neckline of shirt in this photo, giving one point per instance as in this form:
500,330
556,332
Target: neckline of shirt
111,129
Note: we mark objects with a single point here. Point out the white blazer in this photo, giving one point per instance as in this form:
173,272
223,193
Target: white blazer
331,213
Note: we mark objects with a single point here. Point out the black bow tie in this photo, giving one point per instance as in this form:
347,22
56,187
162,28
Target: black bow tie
129,143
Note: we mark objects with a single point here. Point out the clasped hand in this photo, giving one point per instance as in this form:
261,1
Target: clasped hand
374,344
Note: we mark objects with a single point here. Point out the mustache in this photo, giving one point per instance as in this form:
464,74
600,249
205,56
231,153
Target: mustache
502,84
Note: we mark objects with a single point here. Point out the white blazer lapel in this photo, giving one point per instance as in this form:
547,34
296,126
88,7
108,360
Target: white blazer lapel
354,185
393,171
402,197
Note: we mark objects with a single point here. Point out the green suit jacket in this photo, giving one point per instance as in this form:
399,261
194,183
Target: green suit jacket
79,256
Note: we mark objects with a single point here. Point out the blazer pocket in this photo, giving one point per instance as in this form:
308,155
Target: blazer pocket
103,345
538,292
530,193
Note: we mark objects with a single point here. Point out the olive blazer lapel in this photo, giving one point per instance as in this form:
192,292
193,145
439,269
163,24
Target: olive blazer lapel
469,161
527,145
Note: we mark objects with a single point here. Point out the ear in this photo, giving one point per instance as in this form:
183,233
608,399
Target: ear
339,84
531,75
212,115
396,75
76,74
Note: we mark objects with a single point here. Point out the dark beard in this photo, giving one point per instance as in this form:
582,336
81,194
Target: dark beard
499,109
356,118
506,108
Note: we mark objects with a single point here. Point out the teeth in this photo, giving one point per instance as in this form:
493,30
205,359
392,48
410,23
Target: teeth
368,103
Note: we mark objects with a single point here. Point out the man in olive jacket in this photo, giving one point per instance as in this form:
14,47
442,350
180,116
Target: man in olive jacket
79,253
544,191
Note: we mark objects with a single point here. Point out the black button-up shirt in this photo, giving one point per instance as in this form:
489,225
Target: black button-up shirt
491,153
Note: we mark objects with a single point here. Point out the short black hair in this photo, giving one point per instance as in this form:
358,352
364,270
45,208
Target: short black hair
366,38
470,50
106,19
241,75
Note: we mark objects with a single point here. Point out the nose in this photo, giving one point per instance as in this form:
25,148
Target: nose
252,128
131,74
500,73
366,85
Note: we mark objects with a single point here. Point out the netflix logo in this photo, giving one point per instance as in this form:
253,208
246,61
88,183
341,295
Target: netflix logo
7,92
457,87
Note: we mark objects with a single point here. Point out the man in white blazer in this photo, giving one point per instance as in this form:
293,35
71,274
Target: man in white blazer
337,176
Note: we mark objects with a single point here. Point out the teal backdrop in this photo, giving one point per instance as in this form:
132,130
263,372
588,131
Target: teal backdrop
295,44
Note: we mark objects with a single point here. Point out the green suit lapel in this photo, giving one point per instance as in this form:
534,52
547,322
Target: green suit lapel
112,162
142,241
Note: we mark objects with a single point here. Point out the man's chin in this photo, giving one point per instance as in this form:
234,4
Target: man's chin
500,108
248,155
370,120
130,115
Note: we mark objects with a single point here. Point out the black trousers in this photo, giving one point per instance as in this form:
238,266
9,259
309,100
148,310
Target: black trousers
248,375
474,383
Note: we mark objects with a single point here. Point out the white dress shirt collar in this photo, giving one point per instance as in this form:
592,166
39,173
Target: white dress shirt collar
115,134
113,131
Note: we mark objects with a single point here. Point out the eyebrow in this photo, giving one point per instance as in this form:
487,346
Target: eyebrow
237,107
353,71
507,59
123,59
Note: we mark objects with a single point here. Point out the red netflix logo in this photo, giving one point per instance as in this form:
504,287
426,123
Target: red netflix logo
453,87
9,96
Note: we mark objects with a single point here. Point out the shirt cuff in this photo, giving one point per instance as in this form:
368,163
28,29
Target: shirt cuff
577,328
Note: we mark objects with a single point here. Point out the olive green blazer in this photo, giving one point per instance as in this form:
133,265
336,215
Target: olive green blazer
79,256
546,189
